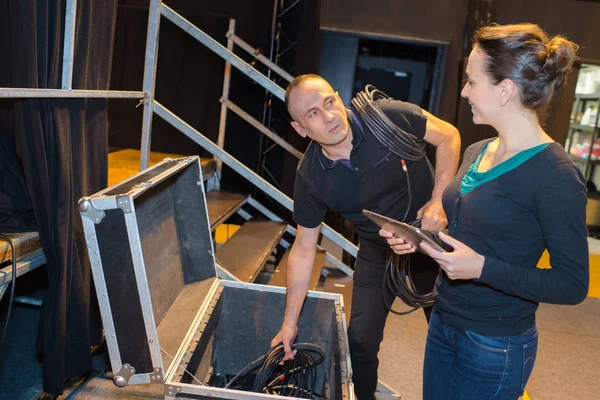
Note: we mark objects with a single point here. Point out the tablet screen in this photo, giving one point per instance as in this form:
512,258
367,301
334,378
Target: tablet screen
411,235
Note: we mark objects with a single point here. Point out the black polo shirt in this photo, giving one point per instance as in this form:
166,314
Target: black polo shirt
372,179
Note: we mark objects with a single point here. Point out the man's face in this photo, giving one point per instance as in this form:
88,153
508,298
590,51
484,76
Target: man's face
318,112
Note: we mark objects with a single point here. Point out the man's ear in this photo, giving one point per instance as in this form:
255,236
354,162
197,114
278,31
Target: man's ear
298,128
339,98
507,88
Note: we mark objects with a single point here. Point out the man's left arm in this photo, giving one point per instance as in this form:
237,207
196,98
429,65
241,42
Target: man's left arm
446,140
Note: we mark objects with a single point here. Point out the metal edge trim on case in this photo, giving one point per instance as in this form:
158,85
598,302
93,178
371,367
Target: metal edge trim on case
103,203
140,379
344,347
224,274
112,343
236,284
157,375
124,203
171,389
168,397
101,193
143,288
323,295
196,334
185,343
212,247
113,186
277,289
181,163
245,285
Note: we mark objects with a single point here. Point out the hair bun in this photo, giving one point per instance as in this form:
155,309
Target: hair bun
558,57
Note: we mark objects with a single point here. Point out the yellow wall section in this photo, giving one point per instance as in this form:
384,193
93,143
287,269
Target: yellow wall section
594,272
125,163
224,232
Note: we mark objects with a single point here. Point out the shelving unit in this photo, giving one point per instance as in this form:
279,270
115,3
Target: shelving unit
585,136
582,134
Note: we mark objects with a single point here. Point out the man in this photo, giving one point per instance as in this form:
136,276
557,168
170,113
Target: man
346,169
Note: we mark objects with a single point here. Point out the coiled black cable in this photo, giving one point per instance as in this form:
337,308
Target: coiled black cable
297,379
397,278
403,144
398,281
12,289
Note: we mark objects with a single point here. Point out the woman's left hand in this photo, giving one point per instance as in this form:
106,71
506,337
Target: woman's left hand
462,263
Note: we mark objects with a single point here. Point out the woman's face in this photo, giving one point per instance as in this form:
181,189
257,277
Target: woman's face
482,94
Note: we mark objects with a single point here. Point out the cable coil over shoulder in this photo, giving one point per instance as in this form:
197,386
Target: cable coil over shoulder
403,144
409,147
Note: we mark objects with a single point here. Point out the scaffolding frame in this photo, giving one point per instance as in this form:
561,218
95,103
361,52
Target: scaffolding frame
158,10
279,26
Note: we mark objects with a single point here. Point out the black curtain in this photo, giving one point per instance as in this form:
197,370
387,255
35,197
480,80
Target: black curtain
61,155
189,79
306,62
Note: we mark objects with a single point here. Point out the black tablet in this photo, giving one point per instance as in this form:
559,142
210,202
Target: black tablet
411,235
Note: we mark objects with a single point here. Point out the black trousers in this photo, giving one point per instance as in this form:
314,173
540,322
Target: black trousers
369,313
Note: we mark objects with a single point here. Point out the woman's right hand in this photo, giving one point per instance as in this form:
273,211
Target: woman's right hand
398,245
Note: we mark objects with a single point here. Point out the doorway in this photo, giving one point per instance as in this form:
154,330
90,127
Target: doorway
406,69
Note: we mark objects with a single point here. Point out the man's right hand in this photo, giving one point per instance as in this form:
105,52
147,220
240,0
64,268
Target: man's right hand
286,335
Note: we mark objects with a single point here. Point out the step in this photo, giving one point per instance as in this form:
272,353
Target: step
279,276
29,254
123,164
340,283
26,244
222,205
247,251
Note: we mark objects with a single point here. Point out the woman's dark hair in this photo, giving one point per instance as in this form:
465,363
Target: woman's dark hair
526,55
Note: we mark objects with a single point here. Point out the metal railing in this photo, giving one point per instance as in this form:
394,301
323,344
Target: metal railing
251,72
151,107
244,171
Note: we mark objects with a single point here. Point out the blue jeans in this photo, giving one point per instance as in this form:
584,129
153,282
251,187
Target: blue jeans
463,365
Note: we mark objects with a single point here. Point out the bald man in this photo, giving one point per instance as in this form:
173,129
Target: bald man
346,169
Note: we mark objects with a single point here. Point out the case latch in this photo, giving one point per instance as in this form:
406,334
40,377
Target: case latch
87,209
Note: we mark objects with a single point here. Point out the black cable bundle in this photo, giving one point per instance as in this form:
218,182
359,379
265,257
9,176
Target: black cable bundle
398,281
397,278
404,144
296,378
409,147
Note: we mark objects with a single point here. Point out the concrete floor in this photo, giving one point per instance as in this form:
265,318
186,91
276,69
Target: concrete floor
566,366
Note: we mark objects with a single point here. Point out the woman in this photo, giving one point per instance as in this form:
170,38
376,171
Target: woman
514,196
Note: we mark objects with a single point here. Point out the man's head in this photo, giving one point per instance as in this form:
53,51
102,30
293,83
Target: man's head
317,110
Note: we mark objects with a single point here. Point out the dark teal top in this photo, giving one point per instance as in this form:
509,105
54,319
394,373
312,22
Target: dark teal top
473,178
